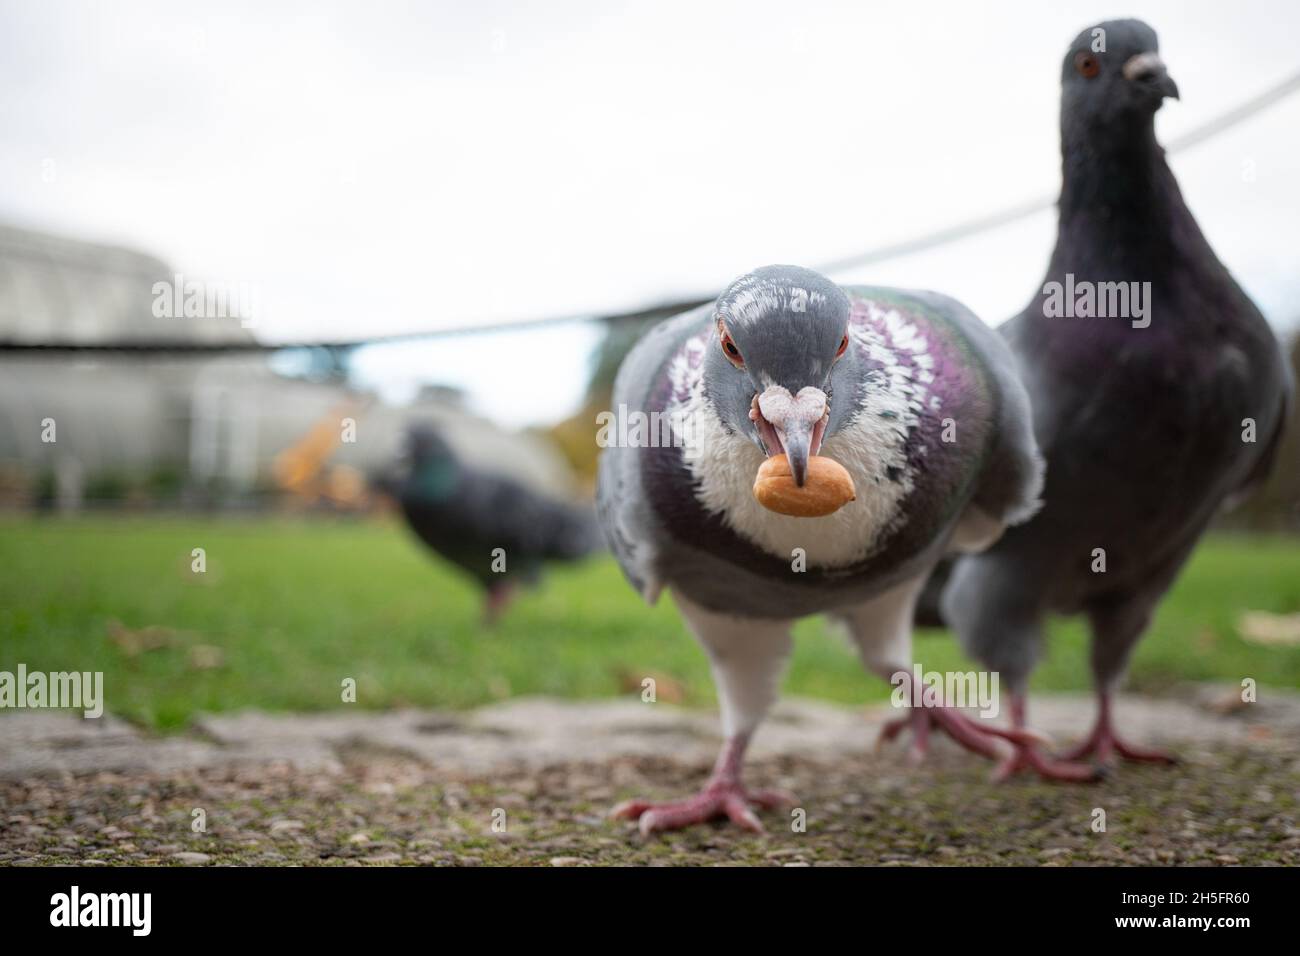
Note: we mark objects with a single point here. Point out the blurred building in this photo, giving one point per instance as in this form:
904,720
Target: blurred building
127,426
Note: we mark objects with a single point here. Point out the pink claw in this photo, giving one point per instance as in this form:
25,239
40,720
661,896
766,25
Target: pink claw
1027,757
974,735
1103,741
722,796
718,799
971,734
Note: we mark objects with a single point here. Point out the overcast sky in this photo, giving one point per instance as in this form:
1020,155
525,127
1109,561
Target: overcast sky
379,167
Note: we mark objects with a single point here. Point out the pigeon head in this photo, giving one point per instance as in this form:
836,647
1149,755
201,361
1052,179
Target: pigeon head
429,463
424,443
1112,78
767,370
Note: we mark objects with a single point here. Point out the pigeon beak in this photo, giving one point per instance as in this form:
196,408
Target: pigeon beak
791,424
1149,70
1166,86
797,442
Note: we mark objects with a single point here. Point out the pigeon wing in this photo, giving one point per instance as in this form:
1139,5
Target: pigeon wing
632,529
1011,480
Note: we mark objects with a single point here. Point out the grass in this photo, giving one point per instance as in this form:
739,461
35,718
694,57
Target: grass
288,609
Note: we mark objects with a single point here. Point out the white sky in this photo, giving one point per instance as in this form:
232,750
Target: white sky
379,167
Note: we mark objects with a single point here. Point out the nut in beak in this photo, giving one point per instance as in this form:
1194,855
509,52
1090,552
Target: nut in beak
792,425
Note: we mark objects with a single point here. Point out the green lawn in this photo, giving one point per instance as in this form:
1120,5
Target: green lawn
294,607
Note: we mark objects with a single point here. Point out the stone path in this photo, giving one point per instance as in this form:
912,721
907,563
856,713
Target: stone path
528,782
540,731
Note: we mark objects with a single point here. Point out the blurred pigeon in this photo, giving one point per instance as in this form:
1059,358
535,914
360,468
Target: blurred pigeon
909,391
492,527
1151,420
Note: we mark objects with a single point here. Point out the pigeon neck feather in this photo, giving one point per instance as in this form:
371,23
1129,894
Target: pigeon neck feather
871,442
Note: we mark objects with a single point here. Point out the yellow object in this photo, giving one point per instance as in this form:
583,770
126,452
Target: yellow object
827,488
301,468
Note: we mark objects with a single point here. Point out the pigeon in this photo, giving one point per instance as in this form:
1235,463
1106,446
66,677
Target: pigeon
1152,420
493,528
908,391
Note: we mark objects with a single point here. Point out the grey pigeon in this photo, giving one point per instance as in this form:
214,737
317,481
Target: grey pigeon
909,391
490,526
1150,423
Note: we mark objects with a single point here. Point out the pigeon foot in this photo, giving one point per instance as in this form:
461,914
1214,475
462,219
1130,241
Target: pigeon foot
971,734
1103,742
717,800
495,601
1027,757
722,796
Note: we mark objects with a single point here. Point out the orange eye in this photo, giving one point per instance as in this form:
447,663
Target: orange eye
1087,64
844,346
729,348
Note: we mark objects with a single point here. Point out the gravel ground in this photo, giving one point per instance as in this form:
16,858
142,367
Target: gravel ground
1225,804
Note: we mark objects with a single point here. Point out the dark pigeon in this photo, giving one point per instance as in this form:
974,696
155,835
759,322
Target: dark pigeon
1150,425
909,391
466,515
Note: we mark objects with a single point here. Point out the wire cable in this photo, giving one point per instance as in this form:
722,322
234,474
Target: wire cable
964,230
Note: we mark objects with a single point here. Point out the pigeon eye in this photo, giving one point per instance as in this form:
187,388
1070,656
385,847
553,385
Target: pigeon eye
730,350
1087,65
844,346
